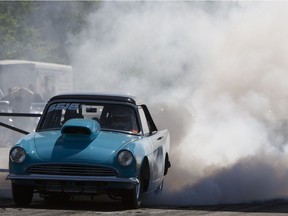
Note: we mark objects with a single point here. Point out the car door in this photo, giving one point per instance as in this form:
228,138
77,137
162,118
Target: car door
156,139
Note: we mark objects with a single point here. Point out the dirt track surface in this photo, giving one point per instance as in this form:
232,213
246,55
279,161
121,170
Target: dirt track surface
104,206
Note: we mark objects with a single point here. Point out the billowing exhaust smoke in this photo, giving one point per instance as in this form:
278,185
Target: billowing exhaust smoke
215,74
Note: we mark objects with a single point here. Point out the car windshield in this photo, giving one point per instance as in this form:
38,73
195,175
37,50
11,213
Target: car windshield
110,116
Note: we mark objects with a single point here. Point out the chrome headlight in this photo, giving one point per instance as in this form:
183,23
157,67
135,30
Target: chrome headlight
125,158
18,155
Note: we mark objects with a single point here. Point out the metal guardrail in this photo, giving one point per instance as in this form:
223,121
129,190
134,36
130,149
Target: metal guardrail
7,114
21,114
14,128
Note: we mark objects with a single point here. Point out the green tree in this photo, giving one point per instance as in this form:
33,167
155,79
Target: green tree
38,30
14,28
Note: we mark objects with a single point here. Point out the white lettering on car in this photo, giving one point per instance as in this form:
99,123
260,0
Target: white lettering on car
64,106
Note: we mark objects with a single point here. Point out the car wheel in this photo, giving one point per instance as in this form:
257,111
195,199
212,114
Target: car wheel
132,198
22,194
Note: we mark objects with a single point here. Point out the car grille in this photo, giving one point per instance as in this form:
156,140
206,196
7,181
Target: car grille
75,170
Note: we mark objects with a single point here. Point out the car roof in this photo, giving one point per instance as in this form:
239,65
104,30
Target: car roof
98,96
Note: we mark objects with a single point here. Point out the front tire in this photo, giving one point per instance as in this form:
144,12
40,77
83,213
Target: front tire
132,198
22,194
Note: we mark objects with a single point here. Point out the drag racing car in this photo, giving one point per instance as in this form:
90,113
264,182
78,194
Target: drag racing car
90,144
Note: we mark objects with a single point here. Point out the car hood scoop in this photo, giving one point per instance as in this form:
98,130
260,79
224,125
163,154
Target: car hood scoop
80,129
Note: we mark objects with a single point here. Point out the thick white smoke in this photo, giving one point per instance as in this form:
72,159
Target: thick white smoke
215,74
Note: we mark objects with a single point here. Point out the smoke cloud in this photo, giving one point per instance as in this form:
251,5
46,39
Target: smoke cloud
214,74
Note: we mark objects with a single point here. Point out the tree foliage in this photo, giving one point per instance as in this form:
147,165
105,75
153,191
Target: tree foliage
38,30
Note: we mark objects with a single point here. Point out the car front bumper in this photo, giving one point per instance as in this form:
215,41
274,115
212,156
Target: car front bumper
81,184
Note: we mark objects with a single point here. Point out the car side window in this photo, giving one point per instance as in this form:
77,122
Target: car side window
144,122
119,117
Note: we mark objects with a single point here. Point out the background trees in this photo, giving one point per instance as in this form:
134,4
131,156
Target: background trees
38,30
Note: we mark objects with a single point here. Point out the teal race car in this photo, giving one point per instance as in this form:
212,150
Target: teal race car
90,144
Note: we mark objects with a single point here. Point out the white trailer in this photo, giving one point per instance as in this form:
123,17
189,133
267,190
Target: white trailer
47,79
